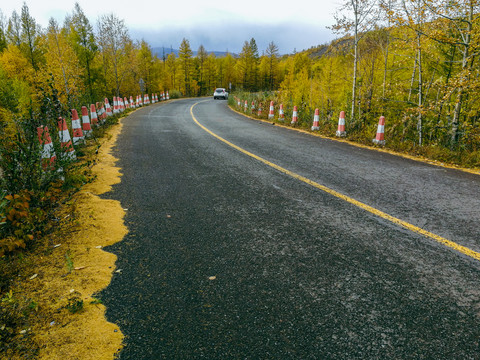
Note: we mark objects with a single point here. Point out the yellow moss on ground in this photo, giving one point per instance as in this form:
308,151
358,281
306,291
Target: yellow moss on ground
73,268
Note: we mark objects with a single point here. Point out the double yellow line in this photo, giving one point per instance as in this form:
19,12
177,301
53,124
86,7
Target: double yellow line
453,245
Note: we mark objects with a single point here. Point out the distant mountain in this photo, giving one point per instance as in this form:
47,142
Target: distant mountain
160,51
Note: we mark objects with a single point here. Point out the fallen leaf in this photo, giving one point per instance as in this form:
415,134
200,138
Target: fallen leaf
33,276
80,267
98,247
55,246
212,278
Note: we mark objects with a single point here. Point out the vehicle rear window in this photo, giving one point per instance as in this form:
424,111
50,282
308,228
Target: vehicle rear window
219,90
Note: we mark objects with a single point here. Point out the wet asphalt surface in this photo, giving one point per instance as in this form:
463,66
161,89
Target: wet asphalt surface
227,258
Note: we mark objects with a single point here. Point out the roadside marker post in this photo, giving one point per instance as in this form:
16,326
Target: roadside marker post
271,115
316,120
380,138
294,116
93,115
48,152
77,128
108,108
281,115
341,125
65,140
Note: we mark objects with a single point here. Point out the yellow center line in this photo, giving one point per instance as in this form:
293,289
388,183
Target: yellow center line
453,245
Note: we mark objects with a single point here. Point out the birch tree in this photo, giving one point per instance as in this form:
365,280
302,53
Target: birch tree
172,70
112,39
356,18
145,65
457,20
415,12
84,44
62,63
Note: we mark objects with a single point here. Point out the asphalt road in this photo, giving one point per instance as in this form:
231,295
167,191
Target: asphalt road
228,258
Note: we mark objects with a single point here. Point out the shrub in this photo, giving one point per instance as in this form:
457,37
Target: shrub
175,94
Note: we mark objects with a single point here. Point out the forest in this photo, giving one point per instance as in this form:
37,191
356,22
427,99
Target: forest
414,62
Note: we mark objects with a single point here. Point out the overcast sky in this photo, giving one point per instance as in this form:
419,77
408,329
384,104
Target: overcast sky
219,25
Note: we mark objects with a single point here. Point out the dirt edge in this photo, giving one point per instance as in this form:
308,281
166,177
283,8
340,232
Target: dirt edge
71,323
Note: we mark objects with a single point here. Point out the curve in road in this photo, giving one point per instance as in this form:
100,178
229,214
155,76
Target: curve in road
451,244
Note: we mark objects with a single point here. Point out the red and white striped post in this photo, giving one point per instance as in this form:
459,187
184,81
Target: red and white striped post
65,140
108,108
380,138
259,112
168,96
271,114
48,152
294,116
252,108
246,106
87,128
102,114
281,115
341,125
93,115
77,128
116,110
316,120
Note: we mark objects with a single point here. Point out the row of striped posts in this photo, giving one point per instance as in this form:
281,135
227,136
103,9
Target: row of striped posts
341,132
83,128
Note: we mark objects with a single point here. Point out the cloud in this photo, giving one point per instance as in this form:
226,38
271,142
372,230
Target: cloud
231,36
217,25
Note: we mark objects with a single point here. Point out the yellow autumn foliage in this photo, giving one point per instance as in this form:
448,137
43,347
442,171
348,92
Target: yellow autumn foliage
14,63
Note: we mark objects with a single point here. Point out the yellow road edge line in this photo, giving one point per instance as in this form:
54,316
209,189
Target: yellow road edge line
421,159
453,245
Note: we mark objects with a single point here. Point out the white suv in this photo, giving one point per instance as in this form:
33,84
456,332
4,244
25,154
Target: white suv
220,93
